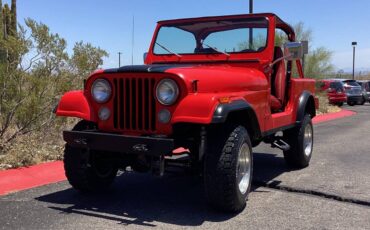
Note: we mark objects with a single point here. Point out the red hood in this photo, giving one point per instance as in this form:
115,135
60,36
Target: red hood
211,78
221,78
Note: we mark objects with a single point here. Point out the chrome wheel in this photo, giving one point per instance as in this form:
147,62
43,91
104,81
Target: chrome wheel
243,174
308,140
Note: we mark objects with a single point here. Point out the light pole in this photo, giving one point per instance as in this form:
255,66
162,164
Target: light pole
354,44
250,29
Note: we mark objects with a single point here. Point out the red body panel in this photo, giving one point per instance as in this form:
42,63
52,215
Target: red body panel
75,104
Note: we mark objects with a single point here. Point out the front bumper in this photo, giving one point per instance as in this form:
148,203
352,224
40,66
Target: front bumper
338,99
357,99
151,146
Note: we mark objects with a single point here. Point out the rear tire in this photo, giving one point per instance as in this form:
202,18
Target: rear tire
300,140
88,171
351,103
363,101
228,168
340,104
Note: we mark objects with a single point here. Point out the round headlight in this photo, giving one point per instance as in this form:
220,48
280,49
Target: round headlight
101,90
167,92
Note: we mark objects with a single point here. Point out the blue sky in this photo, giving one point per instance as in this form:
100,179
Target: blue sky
108,24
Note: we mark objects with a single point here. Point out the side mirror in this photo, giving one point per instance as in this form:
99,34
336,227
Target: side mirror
294,50
145,55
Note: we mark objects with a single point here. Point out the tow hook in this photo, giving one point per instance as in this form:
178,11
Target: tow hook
280,144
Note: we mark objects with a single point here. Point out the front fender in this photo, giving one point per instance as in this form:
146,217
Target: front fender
196,108
75,104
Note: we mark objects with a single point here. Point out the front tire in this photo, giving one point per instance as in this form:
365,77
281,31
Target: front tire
228,168
85,173
87,170
300,140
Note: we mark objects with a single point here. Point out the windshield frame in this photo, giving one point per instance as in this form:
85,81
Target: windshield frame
268,25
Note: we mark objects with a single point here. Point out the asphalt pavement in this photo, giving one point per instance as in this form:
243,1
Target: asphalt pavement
332,193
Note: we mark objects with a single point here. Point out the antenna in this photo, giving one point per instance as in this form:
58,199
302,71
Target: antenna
133,40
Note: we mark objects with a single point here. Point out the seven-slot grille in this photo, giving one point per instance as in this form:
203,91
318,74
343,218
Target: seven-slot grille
134,104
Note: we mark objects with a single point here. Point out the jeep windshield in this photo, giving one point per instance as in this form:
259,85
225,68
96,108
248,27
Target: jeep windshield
221,37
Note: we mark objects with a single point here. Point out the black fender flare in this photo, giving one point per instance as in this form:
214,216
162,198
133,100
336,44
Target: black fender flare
223,111
305,98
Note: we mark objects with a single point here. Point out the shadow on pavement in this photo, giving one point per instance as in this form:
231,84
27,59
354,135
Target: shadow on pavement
141,199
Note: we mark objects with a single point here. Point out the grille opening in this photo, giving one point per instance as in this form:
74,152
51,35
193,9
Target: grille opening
134,104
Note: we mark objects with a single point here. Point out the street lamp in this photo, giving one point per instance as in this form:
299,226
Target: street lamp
354,44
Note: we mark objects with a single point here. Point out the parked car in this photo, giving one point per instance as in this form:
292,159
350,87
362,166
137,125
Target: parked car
354,93
365,89
204,93
335,91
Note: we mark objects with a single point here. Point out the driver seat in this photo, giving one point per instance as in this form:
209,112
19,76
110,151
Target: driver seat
278,82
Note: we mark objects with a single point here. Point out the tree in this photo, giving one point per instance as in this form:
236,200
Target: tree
318,64
6,20
2,51
318,60
86,59
8,29
13,18
1,21
29,90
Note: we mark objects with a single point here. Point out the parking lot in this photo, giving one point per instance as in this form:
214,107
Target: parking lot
333,193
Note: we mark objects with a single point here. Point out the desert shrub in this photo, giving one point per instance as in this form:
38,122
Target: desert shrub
30,87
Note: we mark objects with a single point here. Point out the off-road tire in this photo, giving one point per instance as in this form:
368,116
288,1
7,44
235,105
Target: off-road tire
296,157
220,168
81,167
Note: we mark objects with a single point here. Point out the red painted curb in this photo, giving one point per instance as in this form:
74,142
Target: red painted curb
14,180
332,116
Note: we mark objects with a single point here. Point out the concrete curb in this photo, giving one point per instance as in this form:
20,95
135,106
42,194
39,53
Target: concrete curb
332,116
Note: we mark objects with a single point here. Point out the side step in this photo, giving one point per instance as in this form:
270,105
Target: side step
280,144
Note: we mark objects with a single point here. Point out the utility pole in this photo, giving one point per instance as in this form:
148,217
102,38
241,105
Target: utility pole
119,59
354,44
250,29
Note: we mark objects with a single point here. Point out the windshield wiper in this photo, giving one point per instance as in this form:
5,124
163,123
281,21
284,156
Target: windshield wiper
169,51
215,49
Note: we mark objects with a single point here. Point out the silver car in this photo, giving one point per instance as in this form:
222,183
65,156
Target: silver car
365,89
354,93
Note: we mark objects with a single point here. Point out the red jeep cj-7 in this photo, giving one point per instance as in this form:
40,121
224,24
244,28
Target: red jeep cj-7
216,86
